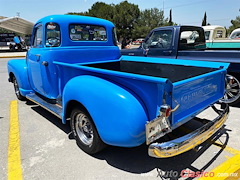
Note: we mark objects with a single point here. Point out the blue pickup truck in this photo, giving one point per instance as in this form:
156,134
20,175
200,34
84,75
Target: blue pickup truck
75,70
188,42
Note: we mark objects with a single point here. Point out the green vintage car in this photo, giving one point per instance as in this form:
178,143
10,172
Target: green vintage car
216,38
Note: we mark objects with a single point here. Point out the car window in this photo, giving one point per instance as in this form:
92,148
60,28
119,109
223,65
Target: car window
53,37
160,39
38,36
192,39
219,34
207,34
114,34
83,32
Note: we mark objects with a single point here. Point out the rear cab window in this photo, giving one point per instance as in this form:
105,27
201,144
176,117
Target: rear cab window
53,36
191,39
84,32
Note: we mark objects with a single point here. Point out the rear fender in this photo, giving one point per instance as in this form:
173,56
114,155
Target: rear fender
18,68
119,116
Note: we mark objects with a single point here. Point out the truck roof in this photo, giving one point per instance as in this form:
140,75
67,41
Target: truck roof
63,19
178,27
212,27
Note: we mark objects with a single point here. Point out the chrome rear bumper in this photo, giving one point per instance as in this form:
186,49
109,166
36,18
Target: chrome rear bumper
191,140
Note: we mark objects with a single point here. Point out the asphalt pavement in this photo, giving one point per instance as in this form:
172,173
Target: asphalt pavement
48,150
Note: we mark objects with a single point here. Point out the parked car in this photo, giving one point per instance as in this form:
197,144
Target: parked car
235,34
138,41
216,38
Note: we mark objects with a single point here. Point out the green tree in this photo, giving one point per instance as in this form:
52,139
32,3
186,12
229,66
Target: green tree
204,21
148,20
125,17
102,10
235,24
2,30
170,23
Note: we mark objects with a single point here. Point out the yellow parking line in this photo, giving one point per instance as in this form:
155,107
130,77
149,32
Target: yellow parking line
14,155
228,170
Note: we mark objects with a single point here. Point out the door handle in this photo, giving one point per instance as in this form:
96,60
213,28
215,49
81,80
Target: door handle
38,57
167,53
45,63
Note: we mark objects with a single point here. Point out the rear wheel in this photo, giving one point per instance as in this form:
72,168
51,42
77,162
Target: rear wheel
232,94
85,132
16,88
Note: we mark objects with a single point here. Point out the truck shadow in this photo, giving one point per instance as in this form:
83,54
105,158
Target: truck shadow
53,119
235,105
136,160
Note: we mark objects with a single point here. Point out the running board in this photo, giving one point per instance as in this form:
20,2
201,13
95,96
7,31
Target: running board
53,108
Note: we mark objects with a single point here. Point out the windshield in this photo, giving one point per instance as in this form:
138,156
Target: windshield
160,39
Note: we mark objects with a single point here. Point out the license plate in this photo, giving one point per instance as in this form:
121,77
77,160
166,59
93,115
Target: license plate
156,129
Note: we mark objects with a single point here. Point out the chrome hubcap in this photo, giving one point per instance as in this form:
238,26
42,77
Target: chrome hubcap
232,92
16,87
84,129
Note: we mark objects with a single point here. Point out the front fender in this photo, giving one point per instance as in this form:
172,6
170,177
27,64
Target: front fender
18,68
118,114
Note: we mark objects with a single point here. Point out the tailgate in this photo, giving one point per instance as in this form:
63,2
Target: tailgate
195,94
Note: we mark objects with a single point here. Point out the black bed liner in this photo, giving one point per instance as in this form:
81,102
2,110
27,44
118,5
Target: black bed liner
173,72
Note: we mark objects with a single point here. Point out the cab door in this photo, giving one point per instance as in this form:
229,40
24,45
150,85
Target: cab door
159,44
42,72
33,60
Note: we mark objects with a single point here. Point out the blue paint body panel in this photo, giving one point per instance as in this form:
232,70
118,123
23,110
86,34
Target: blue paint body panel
120,103
18,68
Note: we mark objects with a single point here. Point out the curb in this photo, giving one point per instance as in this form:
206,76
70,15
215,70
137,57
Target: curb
11,56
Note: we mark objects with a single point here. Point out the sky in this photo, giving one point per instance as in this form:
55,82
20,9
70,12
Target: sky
184,12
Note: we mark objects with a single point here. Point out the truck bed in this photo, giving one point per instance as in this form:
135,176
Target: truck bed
173,72
193,84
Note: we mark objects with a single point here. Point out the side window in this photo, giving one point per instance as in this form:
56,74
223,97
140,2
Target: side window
192,39
53,36
219,34
38,36
80,32
160,39
207,34
114,34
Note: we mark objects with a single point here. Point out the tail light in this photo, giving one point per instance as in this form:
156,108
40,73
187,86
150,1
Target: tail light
165,110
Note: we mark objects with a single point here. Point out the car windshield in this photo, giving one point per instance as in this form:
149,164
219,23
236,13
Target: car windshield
160,39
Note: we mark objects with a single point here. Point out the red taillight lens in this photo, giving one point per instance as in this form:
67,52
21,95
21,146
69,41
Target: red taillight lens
168,112
165,110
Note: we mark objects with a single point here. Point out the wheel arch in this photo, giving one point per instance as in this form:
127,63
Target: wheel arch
118,115
18,68
71,105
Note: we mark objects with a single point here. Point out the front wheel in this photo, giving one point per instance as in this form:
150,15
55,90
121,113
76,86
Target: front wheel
85,132
16,88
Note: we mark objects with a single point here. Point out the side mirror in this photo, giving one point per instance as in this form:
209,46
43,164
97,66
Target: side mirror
145,48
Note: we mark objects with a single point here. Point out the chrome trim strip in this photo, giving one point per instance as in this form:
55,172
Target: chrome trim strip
52,108
191,140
